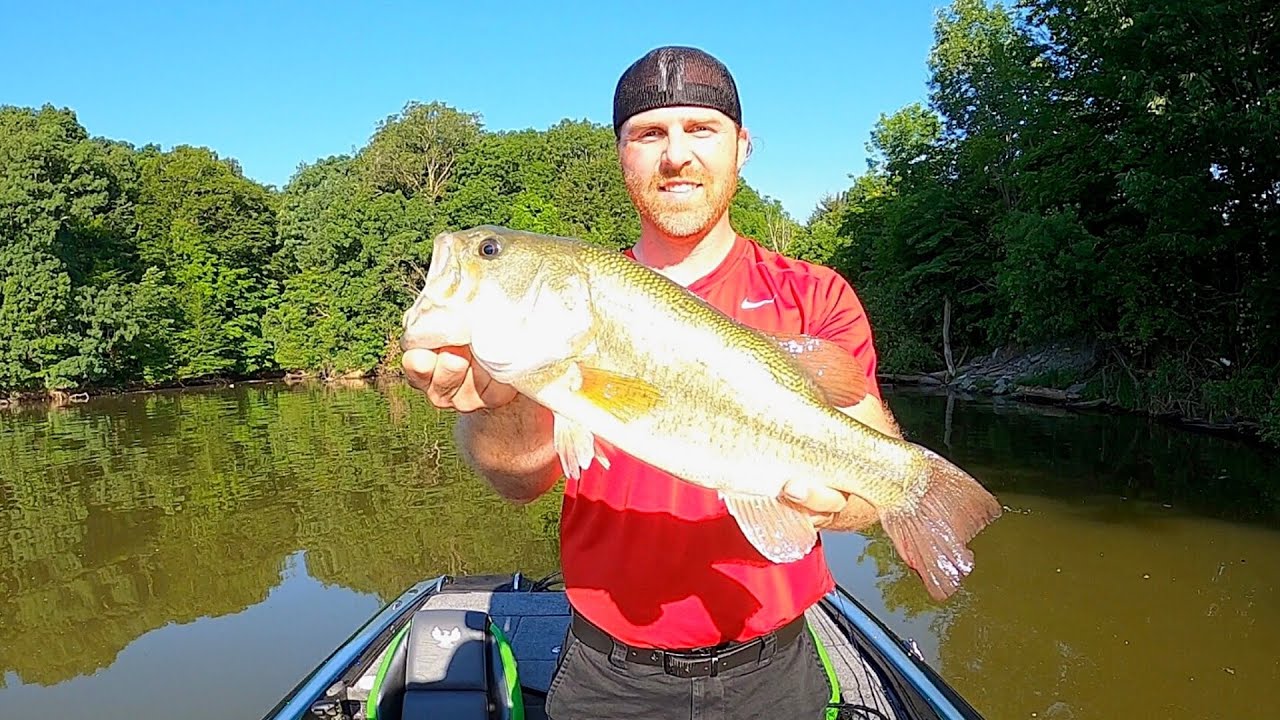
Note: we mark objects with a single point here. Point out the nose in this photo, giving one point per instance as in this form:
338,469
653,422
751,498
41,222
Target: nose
679,151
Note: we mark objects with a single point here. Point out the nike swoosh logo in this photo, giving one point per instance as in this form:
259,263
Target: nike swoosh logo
750,304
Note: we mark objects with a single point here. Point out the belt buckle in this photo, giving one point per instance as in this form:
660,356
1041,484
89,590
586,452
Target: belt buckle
686,666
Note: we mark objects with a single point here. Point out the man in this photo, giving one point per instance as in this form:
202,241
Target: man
655,569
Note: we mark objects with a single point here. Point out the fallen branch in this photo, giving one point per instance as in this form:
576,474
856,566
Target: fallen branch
1045,393
946,337
929,379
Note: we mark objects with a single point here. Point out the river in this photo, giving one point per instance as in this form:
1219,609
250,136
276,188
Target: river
194,553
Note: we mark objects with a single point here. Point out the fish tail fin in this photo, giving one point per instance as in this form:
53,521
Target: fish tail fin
932,536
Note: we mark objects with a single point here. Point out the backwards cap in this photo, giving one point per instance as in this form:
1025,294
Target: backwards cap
675,75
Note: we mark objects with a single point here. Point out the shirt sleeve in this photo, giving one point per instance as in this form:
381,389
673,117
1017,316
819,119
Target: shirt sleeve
845,322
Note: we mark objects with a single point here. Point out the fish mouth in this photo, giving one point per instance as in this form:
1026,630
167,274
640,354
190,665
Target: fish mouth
433,321
443,275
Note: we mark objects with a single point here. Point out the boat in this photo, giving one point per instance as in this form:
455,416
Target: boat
485,647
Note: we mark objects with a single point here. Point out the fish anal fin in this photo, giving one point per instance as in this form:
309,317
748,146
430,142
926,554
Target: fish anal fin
932,536
841,379
622,396
778,531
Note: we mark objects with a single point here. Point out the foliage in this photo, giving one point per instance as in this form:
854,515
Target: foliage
1086,171
135,266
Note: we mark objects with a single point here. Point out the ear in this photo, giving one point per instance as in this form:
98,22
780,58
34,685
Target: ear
744,146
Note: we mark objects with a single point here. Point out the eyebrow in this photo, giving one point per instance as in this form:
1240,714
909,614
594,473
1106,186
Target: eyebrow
706,120
690,119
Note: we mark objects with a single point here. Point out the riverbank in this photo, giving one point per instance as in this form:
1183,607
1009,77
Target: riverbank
1073,377
83,394
1079,377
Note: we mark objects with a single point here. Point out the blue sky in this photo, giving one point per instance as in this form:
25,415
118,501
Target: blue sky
275,84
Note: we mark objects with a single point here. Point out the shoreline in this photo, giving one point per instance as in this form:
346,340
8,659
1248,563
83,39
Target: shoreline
1054,397
961,385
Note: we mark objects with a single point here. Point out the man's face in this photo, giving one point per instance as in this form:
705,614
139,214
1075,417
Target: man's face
681,166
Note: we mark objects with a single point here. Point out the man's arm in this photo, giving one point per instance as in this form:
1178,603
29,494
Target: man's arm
874,414
510,446
504,436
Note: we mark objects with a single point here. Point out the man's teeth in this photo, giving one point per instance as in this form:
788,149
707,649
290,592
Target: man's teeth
681,188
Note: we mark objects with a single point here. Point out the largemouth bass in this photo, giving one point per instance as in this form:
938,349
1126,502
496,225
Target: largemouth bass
621,354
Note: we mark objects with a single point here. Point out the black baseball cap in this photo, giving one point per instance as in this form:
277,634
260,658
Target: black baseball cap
675,75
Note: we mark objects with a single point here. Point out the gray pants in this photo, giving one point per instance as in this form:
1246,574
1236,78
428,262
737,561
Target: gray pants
589,684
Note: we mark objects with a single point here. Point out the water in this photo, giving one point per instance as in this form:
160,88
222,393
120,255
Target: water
196,553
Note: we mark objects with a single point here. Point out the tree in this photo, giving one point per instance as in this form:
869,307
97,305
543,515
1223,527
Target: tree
209,232
415,152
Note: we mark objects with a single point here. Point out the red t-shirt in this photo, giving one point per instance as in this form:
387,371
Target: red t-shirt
659,562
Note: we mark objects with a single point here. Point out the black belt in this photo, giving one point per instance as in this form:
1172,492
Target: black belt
691,663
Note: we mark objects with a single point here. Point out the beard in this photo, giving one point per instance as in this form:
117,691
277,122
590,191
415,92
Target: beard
681,216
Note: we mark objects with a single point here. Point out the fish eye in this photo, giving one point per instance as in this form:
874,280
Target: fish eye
490,247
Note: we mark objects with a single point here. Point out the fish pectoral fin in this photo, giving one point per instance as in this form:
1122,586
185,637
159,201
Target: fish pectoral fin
623,396
576,446
780,532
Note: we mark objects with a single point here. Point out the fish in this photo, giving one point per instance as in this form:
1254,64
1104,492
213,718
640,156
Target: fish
624,357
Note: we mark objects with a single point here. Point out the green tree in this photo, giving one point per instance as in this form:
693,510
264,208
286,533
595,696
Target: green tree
347,250
415,151
1099,172
69,311
209,232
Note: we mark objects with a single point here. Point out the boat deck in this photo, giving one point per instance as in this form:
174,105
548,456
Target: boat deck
535,624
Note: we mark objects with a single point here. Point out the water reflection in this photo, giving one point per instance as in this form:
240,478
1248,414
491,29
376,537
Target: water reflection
216,544
1134,576
132,513
1078,456
229,665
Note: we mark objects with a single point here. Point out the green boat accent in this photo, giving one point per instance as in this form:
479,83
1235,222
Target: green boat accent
372,711
832,712
510,673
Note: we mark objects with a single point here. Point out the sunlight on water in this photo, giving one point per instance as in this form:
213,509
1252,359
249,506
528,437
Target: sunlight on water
196,553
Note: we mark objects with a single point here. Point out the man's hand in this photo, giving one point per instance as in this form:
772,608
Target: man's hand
831,508
451,380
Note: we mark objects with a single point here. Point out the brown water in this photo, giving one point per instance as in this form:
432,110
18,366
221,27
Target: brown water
193,554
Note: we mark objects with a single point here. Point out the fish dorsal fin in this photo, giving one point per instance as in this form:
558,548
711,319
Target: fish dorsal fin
623,396
840,378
